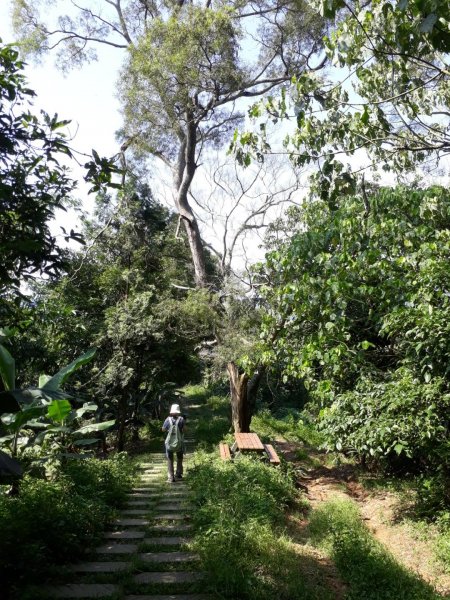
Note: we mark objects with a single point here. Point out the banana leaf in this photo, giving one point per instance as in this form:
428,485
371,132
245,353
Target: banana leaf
7,369
55,382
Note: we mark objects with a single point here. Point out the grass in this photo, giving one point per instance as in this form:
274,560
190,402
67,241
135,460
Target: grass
291,426
370,571
239,521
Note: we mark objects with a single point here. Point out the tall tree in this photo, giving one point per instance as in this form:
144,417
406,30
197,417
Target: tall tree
189,66
118,295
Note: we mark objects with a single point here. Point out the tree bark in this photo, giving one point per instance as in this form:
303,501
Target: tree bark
183,176
243,396
122,417
240,413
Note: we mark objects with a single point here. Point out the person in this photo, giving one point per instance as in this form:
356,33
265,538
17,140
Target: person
174,425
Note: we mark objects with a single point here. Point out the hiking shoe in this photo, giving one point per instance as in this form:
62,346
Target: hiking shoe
178,476
171,480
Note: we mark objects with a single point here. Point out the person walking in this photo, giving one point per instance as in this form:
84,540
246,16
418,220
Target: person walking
174,444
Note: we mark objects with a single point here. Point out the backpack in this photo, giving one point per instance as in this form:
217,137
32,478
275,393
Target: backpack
174,439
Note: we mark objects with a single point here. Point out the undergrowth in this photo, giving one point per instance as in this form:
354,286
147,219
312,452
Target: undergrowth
238,519
51,522
291,425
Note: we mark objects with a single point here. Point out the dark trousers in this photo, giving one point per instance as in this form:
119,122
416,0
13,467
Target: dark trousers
170,465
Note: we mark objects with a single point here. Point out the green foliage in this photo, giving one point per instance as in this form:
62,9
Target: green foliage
442,545
53,521
7,369
34,185
360,559
386,94
358,305
120,297
108,480
292,426
56,381
41,421
387,420
211,430
239,513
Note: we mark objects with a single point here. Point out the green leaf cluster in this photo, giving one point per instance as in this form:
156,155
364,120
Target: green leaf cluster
359,301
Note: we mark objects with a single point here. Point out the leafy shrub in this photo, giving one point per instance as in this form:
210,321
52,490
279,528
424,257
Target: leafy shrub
399,417
442,544
368,568
52,522
240,510
107,480
219,403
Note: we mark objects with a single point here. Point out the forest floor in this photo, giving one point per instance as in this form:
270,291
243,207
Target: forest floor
385,512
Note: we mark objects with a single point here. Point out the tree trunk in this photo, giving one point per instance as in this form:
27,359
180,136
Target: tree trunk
195,242
243,396
122,423
240,410
183,176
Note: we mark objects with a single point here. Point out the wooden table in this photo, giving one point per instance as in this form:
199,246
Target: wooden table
247,442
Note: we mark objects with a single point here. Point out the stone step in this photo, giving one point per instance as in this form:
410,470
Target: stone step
170,517
146,487
82,590
135,511
100,567
127,534
143,494
165,541
156,482
168,557
171,506
136,503
117,549
132,522
167,528
169,577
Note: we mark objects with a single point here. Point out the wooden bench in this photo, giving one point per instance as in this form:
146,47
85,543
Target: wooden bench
274,459
224,450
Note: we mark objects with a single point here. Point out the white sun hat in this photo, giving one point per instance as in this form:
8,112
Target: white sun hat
175,409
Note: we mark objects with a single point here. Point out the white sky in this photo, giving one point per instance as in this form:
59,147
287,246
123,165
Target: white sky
85,96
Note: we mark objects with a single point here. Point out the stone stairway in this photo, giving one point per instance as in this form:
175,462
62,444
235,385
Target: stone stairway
146,555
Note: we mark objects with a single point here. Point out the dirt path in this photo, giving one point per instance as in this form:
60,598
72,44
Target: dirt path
380,511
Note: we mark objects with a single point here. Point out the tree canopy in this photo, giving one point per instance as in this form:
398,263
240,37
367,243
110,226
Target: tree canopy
384,99
188,65
34,182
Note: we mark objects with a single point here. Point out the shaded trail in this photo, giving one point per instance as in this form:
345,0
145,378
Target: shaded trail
146,553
